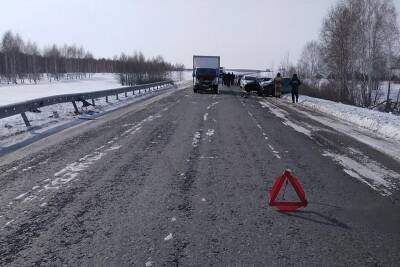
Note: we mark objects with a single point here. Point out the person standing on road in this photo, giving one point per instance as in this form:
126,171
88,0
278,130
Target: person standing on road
295,84
227,79
278,85
224,79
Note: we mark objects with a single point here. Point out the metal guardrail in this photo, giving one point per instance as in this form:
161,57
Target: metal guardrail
35,104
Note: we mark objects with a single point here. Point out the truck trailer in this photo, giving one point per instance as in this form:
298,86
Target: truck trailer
206,73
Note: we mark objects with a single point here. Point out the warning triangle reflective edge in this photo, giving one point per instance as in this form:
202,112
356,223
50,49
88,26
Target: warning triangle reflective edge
287,205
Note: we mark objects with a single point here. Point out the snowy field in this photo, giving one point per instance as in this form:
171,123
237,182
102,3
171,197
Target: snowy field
394,91
14,131
384,124
10,94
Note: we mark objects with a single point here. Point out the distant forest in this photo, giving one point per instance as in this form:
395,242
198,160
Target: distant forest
24,62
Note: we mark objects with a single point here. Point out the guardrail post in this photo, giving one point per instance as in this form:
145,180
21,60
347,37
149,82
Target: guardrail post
25,118
116,96
75,107
32,105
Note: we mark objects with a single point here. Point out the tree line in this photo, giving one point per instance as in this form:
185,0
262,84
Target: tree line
358,47
22,62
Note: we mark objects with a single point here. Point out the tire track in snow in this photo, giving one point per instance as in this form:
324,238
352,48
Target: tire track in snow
72,171
367,171
275,153
354,163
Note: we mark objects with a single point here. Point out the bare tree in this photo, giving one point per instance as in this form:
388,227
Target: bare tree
379,32
26,62
286,66
32,53
11,46
310,64
357,40
335,42
52,55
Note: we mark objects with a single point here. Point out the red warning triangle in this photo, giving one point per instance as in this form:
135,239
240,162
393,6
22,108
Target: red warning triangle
287,205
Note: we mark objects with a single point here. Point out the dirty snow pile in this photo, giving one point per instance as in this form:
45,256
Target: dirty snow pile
385,124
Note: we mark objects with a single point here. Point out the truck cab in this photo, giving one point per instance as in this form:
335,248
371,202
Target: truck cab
206,70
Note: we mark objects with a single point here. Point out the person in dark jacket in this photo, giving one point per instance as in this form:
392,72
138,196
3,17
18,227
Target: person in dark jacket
295,84
232,79
225,79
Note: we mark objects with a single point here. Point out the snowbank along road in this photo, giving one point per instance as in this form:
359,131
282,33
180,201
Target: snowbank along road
182,179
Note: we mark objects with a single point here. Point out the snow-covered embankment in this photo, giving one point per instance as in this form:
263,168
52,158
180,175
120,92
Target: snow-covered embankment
384,124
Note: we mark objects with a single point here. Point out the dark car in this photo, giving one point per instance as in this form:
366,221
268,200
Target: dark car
250,83
268,87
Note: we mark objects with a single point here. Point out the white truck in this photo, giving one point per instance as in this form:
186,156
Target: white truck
206,73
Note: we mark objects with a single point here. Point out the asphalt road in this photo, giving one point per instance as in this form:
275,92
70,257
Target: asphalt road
182,179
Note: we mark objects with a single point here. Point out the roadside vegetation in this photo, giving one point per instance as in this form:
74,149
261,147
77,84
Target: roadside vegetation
24,62
357,57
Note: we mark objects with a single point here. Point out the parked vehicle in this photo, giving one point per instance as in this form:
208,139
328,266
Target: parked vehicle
239,78
250,83
264,81
268,86
206,72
